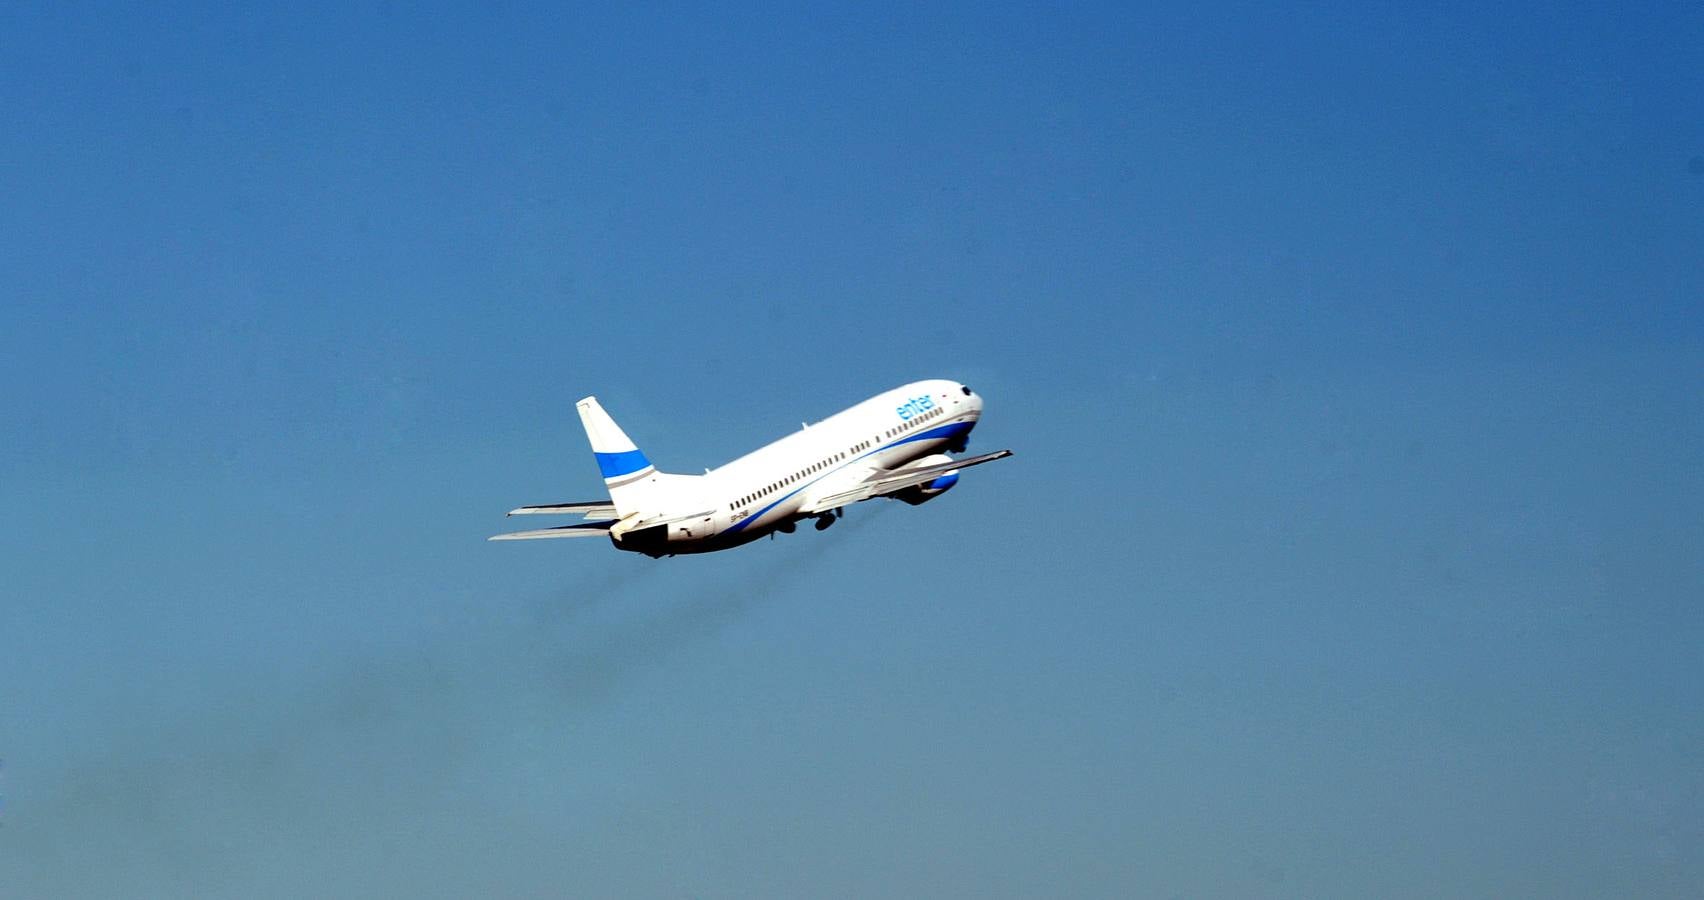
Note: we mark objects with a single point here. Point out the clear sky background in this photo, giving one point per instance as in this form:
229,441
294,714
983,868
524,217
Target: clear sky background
1353,547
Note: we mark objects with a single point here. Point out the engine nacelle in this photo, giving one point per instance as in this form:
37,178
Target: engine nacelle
929,490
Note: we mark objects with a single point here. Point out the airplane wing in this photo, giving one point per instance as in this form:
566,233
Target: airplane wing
589,508
886,481
583,529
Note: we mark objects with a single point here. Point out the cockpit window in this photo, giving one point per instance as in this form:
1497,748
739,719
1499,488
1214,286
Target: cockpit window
965,389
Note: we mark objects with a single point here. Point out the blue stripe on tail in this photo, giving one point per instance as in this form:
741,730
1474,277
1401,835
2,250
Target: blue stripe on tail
615,465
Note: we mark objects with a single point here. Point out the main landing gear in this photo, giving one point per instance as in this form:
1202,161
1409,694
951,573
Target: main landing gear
823,521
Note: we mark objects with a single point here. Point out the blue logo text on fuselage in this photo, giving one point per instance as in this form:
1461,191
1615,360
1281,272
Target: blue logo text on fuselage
916,406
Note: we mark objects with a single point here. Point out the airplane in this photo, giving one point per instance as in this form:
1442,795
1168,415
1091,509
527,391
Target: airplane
887,446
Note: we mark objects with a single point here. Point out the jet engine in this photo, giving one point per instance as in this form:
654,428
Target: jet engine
928,490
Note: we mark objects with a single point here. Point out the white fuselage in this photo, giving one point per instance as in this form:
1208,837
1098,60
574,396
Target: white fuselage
766,489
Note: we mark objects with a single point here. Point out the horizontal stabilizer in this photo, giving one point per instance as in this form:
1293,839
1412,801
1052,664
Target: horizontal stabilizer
583,529
599,508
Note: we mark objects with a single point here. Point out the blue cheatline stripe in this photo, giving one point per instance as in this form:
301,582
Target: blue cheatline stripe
615,465
950,430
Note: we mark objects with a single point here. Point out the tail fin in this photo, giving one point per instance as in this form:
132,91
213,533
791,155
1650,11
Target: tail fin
634,484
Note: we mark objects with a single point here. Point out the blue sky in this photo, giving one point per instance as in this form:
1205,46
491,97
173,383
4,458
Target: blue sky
1351,356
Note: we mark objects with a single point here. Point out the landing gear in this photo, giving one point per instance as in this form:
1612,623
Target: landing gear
824,521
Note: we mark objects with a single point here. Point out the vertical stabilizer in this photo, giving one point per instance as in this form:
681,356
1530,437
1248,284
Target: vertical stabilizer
634,484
